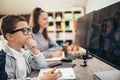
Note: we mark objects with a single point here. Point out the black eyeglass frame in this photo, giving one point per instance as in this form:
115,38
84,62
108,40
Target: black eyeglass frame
23,30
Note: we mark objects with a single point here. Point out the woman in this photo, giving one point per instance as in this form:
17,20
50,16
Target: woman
39,23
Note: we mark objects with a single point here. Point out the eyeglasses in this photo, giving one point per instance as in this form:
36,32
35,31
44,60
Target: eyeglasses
24,30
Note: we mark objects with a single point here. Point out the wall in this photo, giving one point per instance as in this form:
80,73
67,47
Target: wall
98,4
26,6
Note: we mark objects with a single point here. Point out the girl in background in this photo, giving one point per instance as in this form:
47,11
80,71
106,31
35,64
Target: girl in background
39,23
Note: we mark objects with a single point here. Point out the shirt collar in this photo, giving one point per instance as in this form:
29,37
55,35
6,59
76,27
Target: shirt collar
12,52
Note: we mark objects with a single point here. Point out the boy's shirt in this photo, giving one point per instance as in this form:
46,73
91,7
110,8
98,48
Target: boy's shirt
20,62
13,66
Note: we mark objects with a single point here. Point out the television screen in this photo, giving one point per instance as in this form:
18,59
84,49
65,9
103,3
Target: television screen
105,41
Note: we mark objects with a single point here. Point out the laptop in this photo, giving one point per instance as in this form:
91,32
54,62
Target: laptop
67,73
107,75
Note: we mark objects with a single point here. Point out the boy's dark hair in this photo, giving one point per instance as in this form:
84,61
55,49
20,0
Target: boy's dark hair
9,23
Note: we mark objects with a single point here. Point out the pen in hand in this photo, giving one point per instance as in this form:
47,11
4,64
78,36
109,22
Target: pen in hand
51,75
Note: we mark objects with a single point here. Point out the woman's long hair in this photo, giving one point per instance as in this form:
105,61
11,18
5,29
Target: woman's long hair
34,22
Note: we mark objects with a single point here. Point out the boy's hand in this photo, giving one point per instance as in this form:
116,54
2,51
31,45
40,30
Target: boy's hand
32,46
51,75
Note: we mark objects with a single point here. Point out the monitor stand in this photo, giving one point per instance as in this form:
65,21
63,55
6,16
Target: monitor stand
107,75
88,54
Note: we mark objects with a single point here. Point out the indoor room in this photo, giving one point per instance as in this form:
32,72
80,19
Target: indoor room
60,40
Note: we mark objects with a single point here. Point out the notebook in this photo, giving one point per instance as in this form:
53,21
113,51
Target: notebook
67,73
56,58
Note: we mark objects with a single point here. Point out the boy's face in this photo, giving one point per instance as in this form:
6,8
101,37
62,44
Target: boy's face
21,36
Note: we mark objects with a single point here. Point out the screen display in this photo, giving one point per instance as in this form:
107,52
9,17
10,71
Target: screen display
105,41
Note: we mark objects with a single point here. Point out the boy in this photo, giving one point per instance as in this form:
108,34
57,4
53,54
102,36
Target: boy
18,61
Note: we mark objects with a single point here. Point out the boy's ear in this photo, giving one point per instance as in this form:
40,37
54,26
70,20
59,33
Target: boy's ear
9,37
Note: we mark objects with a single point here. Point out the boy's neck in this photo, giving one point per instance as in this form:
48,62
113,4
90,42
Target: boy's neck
15,47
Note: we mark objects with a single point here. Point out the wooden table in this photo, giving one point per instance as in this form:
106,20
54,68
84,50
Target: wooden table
85,73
